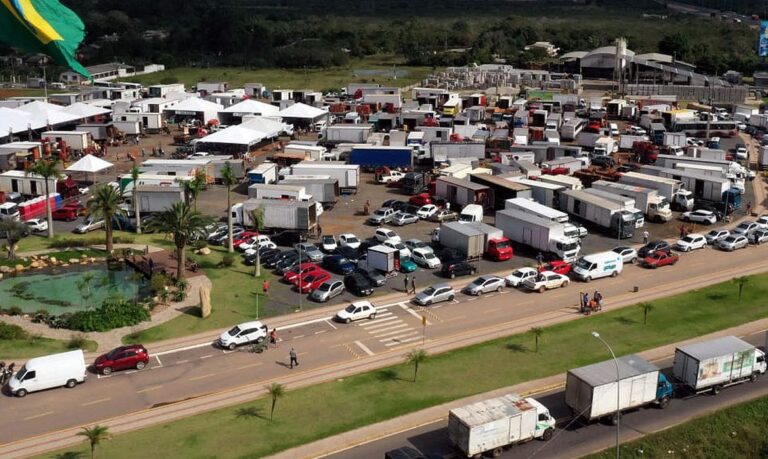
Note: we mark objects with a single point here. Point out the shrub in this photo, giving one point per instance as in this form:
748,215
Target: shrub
110,315
63,243
12,332
179,295
76,342
14,311
227,260
200,244
158,282
41,316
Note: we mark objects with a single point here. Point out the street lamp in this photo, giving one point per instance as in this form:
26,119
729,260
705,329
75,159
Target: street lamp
618,394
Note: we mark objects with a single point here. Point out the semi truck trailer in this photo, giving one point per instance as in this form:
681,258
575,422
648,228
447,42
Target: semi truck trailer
606,214
538,233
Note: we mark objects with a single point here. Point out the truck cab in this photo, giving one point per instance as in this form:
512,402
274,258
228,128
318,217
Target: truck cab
664,390
10,211
499,249
471,213
683,200
658,210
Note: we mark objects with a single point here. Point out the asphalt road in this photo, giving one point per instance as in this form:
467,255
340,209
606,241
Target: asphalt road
199,368
573,438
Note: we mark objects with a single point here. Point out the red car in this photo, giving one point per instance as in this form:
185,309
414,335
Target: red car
310,281
121,358
421,199
243,237
557,266
660,259
296,272
67,214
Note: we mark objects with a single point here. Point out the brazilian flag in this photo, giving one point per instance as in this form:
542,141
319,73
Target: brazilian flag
43,26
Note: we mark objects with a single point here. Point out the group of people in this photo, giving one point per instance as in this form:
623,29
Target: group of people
6,373
588,305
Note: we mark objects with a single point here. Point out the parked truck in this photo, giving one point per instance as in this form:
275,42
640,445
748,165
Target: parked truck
673,190
591,391
626,141
383,258
154,198
354,133
497,246
762,158
707,188
548,213
414,183
278,214
542,192
371,157
655,207
348,175
571,183
627,204
605,146
716,364
539,233
323,190
492,425
278,191
606,214
263,173
475,239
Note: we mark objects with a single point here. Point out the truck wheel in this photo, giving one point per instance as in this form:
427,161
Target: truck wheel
70,384
547,435
614,274
587,279
21,393
614,419
664,402
716,389
496,452
753,377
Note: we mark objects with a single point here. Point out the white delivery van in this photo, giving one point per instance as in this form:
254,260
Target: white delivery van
471,213
58,370
598,265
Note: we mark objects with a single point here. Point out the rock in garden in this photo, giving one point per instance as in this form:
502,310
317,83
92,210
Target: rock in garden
204,251
35,264
19,268
5,269
73,261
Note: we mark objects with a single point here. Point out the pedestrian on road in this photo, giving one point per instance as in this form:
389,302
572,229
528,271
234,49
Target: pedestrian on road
540,260
749,208
448,206
584,301
413,284
646,236
293,356
682,231
273,337
405,283
143,152
265,287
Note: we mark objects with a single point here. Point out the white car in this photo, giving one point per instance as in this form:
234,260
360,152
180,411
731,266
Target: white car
261,245
328,243
37,225
699,216
518,276
426,258
714,236
386,234
89,225
356,311
546,280
762,221
349,240
391,176
741,152
244,333
405,252
628,254
257,242
426,211
691,242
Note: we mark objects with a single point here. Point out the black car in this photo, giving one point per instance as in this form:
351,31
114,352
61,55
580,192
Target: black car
392,203
348,252
457,268
358,284
338,264
250,259
288,259
272,261
400,206
376,278
288,263
654,247
448,255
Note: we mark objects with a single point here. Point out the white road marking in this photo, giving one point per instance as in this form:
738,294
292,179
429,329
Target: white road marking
149,389
101,400
321,331
206,356
473,299
380,323
158,360
391,331
331,324
38,415
299,336
411,312
364,348
197,378
179,362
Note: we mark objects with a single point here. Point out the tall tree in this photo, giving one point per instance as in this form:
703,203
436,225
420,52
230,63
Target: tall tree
47,169
135,172
415,357
536,332
275,390
229,179
185,225
95,436
646,307
741,282
105,204
193,188
257,222
12,231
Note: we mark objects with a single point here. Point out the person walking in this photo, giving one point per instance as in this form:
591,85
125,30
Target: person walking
293,356
413,284
749,208
646,236
265,287
143,152
584,301
540,260
273,337
405,283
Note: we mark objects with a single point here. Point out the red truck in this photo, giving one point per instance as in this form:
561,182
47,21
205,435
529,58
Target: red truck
645,152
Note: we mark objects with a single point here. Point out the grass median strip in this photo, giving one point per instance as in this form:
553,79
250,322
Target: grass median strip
311,413
737,431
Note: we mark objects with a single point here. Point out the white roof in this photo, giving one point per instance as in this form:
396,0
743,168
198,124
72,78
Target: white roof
90,163
252,106
85,110
237,135
302,111
195,104
48,113
14,120
267,125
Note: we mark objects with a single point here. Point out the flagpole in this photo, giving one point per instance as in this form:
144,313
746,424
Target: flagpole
45,82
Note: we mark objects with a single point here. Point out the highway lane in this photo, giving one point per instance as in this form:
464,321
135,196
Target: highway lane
201,369
574,439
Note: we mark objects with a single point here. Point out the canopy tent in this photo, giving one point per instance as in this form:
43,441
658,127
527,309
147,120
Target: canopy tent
271,127
234,135
200,109
48,114
85,110
90,164
302,111
13,121
252,107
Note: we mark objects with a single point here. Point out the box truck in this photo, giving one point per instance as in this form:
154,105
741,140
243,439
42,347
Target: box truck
591,391
354,133
571,183
497,246
718,363
655,207
323,190
382,258
263,173
626,141
627,203
278,191
373,157
606,214
546,212
153,198
605,146
762,158
673,190
492,425
539,233
348,175
463,237
66,369
300,216
704,187
542,192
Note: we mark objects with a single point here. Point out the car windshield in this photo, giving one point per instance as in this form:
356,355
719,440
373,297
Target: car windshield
379,212
503,245
342,261
352,240
688,239
399,246
350,308
324,287
730,239
518,274
478,281
714,233
234,331
428,255
112,354
328,240
584,264
429,291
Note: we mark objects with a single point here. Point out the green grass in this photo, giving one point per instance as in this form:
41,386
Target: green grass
737,431
308,414
317,79
37,346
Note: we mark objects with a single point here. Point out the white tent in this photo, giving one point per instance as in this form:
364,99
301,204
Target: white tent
234,135
302,111
194,106
48,114
13,121
271,127
90,163
85,110
252,107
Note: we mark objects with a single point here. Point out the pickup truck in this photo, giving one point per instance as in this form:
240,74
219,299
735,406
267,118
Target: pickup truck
546,280
381,216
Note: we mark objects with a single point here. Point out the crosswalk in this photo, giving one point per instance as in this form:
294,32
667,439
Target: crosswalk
389,329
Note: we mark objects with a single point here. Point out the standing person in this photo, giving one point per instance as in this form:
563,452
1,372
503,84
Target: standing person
540,260
584,301
598,297
749,208
646,236
273,337
405,283
143,152
265,287
293,356
447,206
413,284
682,231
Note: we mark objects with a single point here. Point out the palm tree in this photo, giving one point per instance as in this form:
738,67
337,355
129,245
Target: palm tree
95,435
741,282
184,224
415,357
105,204
275,390
47,170
229,179
646,307
13,232
135,172
536,332
193,188
257,221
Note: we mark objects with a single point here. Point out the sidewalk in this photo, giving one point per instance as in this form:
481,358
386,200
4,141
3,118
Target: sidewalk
347,440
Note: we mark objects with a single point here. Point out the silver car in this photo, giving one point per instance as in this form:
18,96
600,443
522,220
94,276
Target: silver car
327,290
402,219
733,242
746,228
414,244
484,284
435,294
716,235
311,250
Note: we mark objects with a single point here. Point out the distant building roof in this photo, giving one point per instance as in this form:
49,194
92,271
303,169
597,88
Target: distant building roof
607,50
573,55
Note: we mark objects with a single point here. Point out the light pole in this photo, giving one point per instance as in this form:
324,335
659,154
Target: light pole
618,394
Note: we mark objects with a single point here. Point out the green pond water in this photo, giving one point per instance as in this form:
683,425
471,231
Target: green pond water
71,289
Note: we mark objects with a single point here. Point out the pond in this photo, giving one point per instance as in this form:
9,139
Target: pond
71,289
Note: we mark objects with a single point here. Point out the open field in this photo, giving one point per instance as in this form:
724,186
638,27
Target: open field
35,346
245,430
738,431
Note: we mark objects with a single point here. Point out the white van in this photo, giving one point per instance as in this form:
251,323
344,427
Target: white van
58,370
471,213
598,265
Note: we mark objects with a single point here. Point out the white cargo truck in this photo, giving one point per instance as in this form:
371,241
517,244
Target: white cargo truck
590,391
348,175
605,146
279,214
706,187
571,183
607,214
673,190
278,191
382,258
718,363
548,213
154,198
762,158
492,425
626,141
656,207
538,233
465,238
542,192
627,203
674,139
66,369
